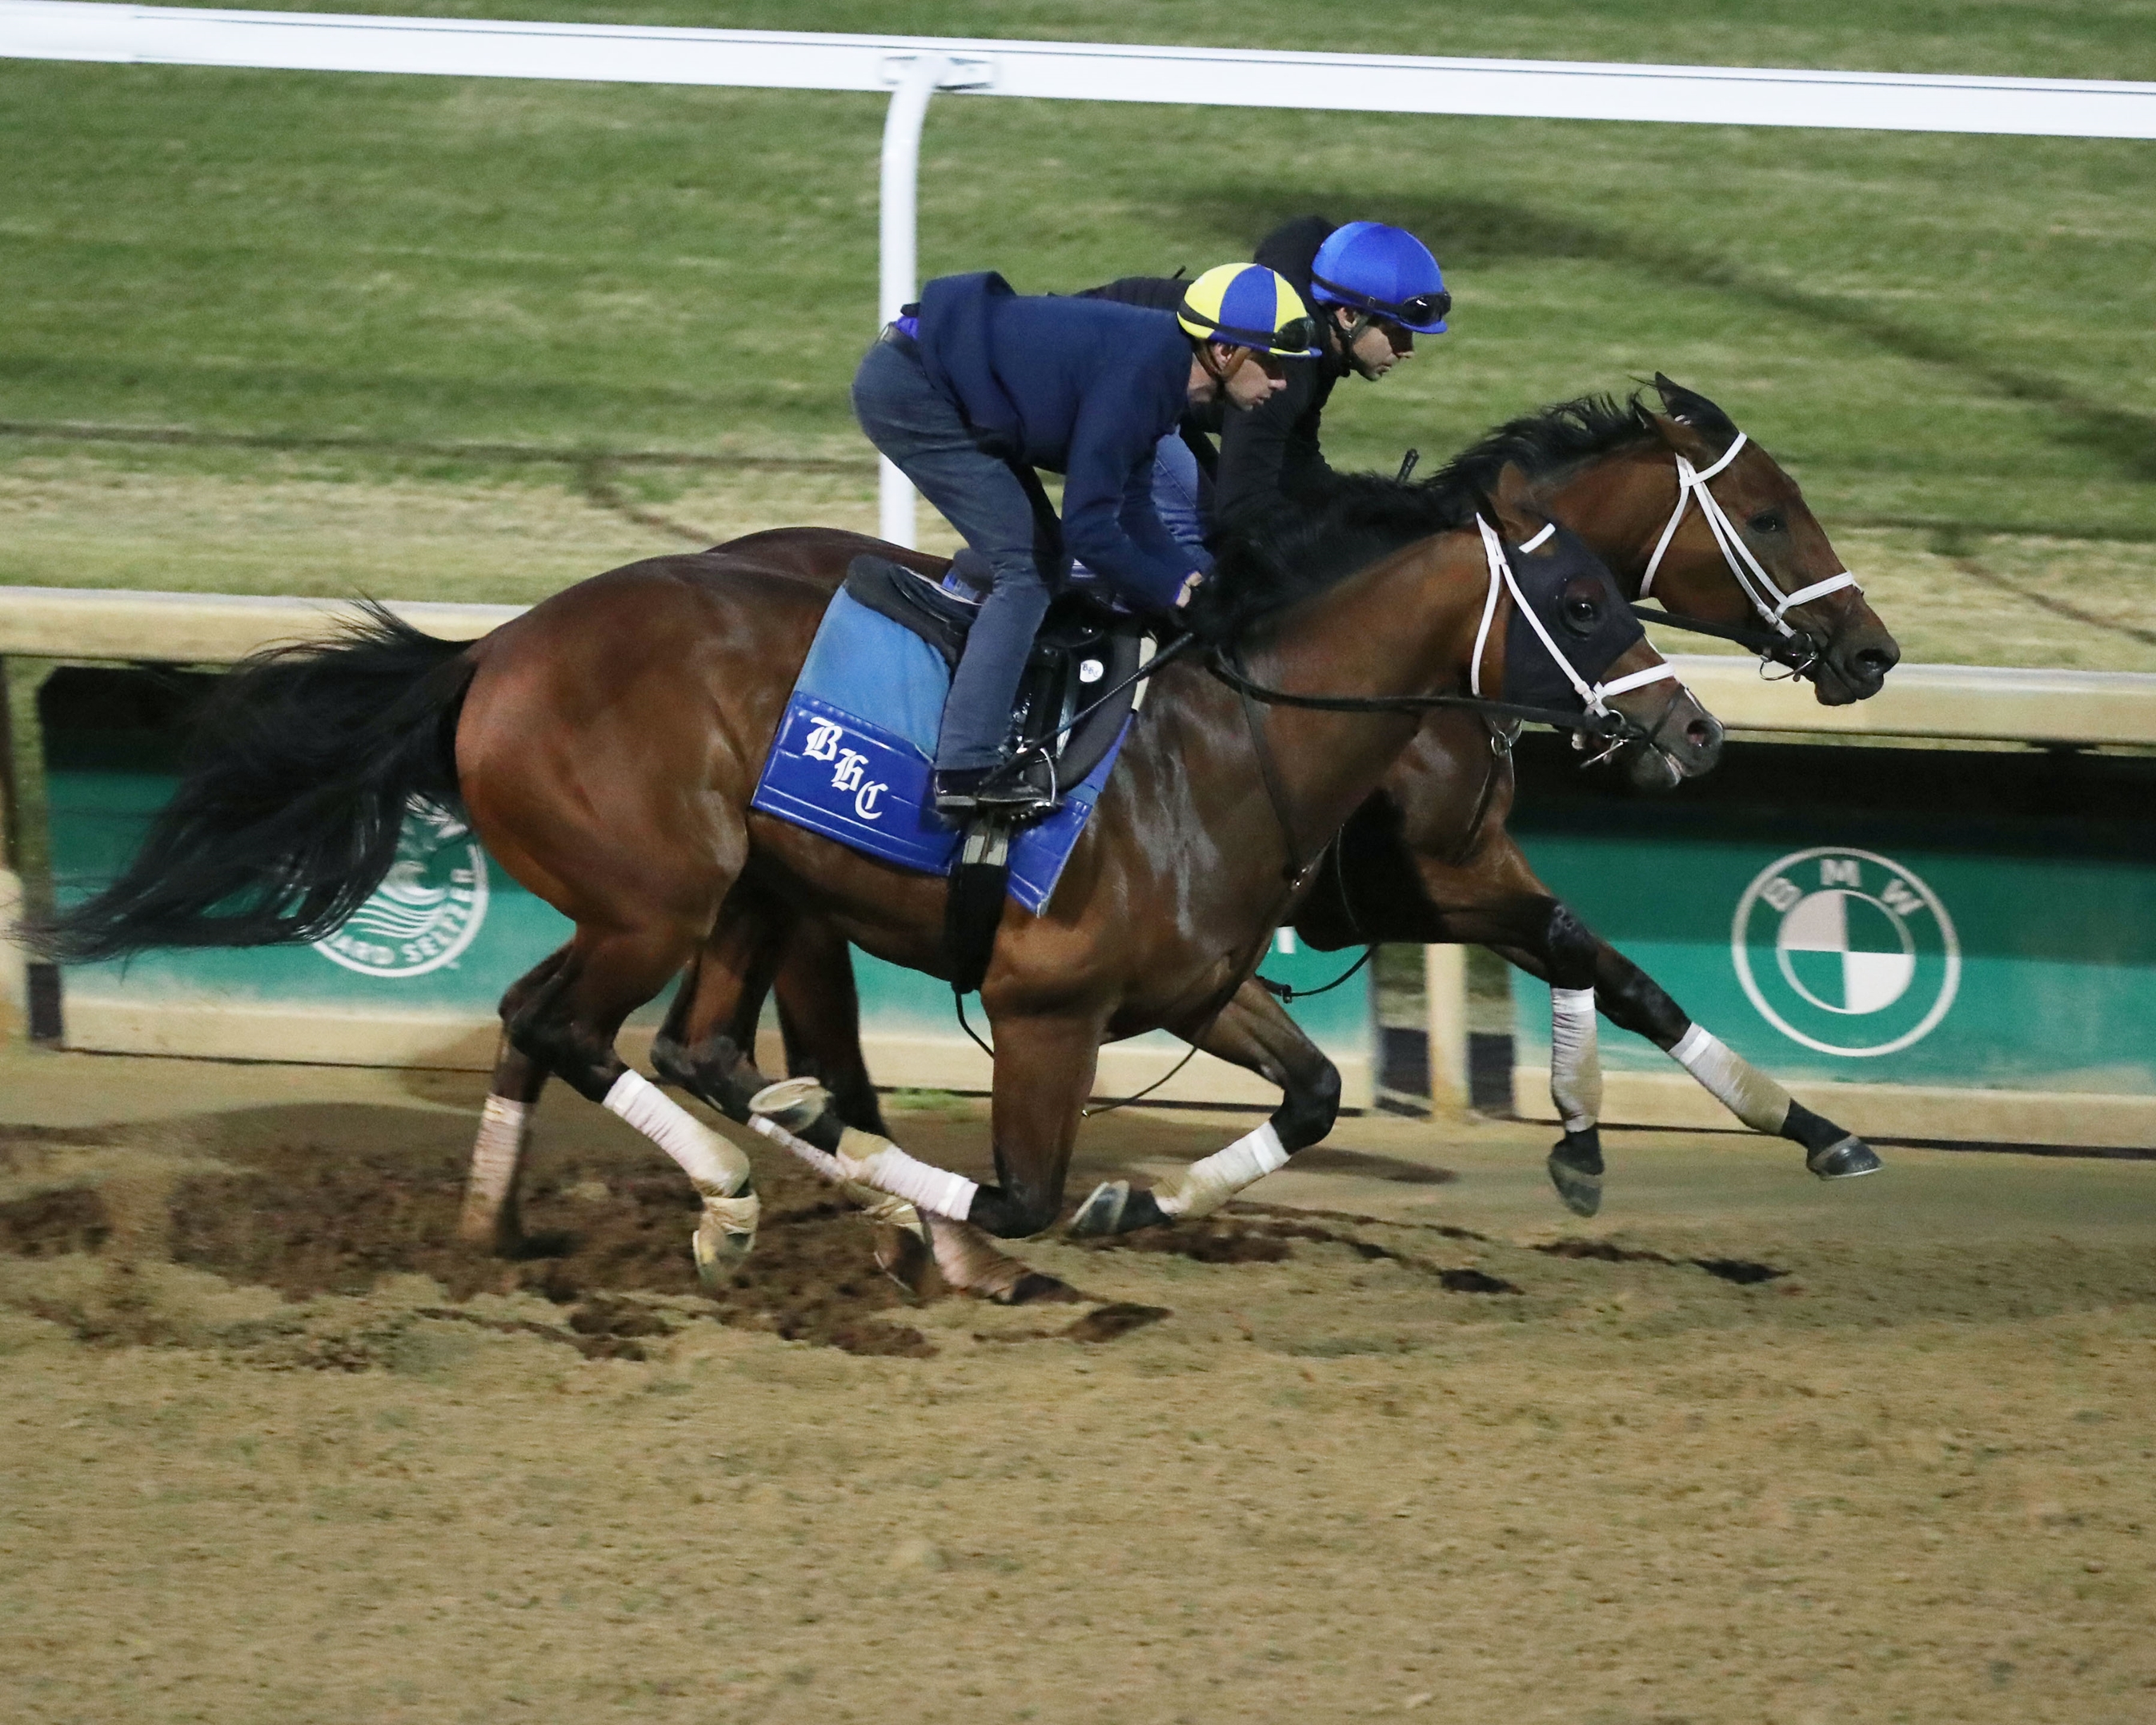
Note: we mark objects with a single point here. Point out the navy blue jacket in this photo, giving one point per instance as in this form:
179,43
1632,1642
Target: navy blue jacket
1082,387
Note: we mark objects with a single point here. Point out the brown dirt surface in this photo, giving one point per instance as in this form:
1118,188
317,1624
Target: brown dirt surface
1397,1435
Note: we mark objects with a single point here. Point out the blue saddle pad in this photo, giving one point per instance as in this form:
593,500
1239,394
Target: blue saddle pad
854,753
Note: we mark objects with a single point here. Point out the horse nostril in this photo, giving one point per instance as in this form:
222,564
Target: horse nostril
1876,661
1702,733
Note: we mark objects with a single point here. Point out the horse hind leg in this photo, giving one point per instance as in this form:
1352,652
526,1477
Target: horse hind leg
568,1028
1257,1033
489,1219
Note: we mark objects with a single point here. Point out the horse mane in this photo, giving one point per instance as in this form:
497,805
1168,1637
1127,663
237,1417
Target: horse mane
1352,520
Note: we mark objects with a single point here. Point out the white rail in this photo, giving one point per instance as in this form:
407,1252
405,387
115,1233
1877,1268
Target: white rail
1084,71
913,68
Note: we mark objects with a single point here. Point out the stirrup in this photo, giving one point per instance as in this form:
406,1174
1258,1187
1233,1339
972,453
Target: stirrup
1009,793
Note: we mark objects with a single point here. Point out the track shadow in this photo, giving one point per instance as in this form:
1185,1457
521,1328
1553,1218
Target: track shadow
1470,233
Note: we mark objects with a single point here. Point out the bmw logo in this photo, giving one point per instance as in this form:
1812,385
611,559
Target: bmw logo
1845,951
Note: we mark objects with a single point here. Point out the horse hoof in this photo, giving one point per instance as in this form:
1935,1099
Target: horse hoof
793,1103
1102,1214
903,1255
1034,1288
1575,1170
725,1236
1579,1192
1114,1208
1845,1159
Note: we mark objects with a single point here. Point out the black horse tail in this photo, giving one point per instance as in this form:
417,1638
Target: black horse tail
290,800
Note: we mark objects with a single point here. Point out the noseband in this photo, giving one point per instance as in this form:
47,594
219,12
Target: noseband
1768,600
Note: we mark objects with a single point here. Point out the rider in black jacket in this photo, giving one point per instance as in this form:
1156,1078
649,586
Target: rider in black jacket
1374,289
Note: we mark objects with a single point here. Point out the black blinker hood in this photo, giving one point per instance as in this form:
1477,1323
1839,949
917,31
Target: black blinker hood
1577,600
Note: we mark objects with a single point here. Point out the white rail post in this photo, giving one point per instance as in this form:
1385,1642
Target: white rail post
915,79
1445,994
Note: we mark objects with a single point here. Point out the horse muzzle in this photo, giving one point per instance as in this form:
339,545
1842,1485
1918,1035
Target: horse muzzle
1685,742
1854,665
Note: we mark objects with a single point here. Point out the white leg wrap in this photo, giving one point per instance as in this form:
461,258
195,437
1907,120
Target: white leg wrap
1732,1080
1575,1058
1209,1184
502,1128
877,1162
822,1161
876,1206
716,1168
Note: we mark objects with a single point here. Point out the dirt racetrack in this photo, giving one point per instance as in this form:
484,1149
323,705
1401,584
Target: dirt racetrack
1400,1437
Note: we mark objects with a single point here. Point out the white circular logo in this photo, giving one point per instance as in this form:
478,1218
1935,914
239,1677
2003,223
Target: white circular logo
1845,951
427,907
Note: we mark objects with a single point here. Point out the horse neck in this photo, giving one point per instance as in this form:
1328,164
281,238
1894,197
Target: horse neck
1406,626
1619,503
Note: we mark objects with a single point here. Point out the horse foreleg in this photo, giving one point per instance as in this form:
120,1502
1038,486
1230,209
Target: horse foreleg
1044,1071
1633,1001
490,1217
1254,1032
707,1048
1546,940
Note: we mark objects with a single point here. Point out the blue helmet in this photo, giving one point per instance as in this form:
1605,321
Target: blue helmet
1384,271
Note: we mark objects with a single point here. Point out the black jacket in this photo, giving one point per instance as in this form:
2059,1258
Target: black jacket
1270,456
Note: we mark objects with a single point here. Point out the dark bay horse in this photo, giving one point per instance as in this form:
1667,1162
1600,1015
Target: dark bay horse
1428,857
605,745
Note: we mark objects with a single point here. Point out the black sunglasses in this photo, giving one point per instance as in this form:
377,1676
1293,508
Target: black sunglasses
1423,308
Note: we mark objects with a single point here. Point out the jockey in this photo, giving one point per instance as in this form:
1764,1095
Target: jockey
1375,288
977,388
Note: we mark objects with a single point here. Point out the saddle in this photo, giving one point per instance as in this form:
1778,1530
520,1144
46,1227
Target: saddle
1085,650
1076,692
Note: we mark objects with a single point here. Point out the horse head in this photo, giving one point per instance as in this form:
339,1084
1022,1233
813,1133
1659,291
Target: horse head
1571,640
1836,637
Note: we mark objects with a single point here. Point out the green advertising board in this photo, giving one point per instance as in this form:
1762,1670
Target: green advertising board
1924,917
449,930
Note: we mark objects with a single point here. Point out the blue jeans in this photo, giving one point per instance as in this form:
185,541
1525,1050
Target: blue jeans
1175,496
999,509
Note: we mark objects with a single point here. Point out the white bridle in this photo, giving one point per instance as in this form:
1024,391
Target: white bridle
1758,586
1592,696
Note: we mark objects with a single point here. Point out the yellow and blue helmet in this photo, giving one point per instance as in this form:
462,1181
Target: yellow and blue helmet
1249,305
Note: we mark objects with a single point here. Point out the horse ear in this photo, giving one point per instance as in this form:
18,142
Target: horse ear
1680,435
1512,500
1710,429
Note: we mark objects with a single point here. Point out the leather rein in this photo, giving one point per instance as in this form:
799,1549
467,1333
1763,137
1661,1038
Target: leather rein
1595,717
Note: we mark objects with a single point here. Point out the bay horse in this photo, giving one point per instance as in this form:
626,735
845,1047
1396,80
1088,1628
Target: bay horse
604,746
1427,858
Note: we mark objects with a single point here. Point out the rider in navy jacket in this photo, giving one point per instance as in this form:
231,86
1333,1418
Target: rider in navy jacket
1082,387
977,388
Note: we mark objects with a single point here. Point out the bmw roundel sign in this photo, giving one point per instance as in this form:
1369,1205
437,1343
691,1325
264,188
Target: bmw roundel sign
1845,951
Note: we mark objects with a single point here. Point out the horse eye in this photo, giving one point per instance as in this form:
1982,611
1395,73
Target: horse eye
1582,615
1768,522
